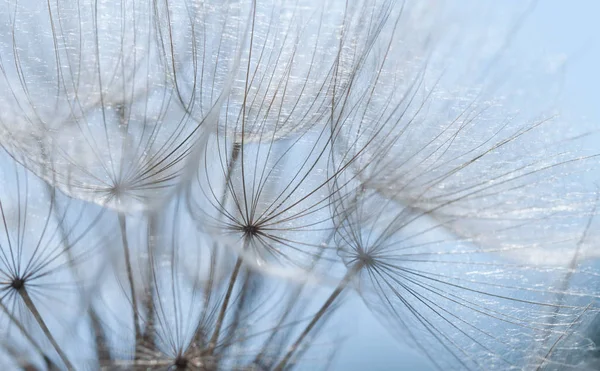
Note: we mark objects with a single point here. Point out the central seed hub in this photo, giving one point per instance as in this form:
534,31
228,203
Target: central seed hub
17,283
250,230
366,260
181,363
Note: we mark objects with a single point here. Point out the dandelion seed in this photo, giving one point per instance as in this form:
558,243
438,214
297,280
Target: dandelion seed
104,122
444,294
263,176
43,250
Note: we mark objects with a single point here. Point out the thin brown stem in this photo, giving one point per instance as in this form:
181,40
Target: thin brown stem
136,321
36,314
215,336
148,300
322,311
29,338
